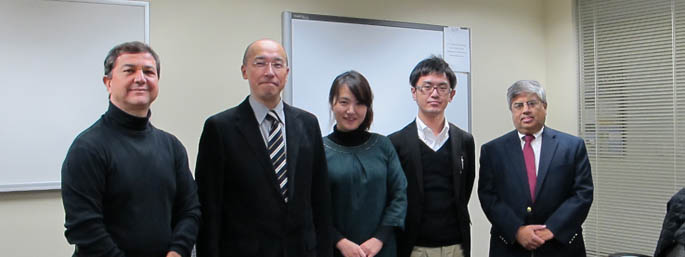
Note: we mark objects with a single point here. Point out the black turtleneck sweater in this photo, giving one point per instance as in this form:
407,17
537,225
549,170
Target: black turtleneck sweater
128,191
350,138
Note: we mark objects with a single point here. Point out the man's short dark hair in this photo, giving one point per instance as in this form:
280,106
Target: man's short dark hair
360,88
133,47
431,65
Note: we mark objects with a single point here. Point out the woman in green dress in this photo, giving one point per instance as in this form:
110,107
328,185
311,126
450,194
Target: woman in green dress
368,187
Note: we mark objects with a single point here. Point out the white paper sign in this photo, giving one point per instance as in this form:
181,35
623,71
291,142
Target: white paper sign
457,49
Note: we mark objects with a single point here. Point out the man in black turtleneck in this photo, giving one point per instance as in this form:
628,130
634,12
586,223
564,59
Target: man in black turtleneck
126,186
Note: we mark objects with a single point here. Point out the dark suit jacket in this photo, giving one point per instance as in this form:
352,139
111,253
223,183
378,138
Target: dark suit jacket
563,193
243,213
673,230
406,143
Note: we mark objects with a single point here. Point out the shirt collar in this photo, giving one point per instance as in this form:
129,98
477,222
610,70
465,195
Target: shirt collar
260,110
425,131
536,134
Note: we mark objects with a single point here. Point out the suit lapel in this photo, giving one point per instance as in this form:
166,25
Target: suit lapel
412,138
293,134
547,150
457,159
518,164
248,127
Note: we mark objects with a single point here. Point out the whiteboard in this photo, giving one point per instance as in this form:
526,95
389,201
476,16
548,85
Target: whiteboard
51,80
321,47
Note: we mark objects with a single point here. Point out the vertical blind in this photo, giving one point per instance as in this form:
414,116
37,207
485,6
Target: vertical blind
632,98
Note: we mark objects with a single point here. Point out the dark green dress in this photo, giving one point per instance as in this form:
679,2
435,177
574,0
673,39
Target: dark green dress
368,191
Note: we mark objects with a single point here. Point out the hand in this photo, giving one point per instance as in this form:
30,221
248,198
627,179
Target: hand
173,254
545,234
372,246
349,248
527,238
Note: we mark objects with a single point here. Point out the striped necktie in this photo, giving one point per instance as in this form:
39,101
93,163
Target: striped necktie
276,145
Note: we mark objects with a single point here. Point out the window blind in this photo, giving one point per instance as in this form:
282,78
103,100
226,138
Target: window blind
632,58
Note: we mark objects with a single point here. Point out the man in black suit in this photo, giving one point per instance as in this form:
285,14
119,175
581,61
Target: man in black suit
438,161
535,185
263,194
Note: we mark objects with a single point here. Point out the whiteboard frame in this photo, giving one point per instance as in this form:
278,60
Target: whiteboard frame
56,185
145,5
288,16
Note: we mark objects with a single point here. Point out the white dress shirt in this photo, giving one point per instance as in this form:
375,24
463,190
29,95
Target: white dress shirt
536,144
427,137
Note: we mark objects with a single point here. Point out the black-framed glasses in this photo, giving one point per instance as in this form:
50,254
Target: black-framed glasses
428,89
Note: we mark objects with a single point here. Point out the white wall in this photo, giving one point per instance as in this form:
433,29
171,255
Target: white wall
201,45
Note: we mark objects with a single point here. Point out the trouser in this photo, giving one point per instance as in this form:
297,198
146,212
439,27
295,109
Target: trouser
443,251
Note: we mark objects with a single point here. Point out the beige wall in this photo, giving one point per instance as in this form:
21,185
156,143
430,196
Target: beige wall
201,45
561,58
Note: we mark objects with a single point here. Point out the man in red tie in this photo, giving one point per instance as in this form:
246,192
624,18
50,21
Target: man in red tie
535,183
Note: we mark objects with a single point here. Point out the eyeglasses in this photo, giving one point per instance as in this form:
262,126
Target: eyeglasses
531,104
276,65
427,89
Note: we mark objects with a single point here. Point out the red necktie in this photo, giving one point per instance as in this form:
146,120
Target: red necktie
529,157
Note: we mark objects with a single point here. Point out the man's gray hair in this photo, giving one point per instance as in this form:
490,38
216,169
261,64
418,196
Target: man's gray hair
526,87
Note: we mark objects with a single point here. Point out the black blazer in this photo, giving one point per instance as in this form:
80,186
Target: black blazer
243,213
563,193
673,230
406,143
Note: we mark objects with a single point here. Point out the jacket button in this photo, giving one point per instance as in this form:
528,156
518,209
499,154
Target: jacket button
528,209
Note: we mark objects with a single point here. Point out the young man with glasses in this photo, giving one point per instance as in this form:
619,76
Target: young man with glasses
438,160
